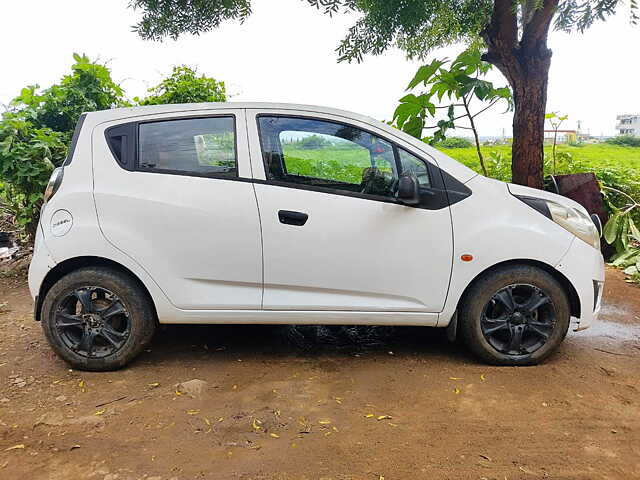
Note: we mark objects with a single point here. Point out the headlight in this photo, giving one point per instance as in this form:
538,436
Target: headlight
571,219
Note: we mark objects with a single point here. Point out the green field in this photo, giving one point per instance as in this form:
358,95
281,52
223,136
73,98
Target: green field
344,163
597,156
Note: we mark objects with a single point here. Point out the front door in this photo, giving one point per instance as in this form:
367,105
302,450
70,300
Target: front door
178,207
334,237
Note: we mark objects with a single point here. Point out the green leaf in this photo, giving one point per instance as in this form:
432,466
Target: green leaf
633,229
625,259
623,233
611,228
425,72
414,127
632,270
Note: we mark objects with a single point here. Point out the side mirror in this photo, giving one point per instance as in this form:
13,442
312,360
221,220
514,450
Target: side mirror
408,189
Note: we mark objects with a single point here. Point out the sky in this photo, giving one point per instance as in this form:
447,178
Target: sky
285,52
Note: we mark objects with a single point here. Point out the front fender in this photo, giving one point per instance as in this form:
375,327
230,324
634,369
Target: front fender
495,227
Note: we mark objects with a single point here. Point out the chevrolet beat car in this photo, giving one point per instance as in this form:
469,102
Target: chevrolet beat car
288,214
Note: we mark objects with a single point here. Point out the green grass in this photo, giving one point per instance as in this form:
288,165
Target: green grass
597,156
614,166
341,164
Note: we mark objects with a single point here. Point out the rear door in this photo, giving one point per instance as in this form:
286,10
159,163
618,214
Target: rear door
334,237
170,194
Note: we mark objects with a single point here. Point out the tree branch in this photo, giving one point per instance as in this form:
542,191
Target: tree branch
536,30
501,37
486,108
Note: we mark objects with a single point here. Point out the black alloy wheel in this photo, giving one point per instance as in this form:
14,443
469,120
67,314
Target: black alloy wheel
92,321
518,319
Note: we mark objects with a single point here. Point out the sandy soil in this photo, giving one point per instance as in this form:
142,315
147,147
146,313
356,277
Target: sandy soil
410,407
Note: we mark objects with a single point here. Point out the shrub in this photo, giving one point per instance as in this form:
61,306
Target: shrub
185,85
454,142
625,141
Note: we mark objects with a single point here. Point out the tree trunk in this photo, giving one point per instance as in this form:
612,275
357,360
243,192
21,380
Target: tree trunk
521,54
530,99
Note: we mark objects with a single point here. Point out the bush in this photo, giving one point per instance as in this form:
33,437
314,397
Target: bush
454,142
185,85
624,141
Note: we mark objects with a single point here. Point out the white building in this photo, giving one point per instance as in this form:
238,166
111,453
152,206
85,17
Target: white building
628,125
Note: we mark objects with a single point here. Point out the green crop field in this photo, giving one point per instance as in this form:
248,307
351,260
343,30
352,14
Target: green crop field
596,156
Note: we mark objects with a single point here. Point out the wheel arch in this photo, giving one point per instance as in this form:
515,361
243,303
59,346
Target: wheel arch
572,294
72,264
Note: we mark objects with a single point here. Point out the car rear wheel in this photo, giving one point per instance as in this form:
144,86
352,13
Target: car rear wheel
515,315
97,318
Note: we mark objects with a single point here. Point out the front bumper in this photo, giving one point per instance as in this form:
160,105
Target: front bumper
583,266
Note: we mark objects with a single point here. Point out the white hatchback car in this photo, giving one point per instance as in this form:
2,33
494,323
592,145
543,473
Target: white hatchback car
275,213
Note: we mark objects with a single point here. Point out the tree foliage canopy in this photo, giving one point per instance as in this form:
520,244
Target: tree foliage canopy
416,26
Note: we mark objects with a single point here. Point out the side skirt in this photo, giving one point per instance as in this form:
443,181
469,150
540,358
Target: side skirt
301,317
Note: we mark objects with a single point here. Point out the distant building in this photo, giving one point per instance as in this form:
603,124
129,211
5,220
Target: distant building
628,125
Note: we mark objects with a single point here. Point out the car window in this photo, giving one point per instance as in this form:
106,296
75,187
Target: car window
194,145
412,164
327,154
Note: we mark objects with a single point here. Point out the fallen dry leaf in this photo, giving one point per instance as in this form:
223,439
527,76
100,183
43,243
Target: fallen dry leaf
456,391
100,412
193,412
274,435
384,417
15,447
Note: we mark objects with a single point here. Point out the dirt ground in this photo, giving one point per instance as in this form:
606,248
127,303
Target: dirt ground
410,406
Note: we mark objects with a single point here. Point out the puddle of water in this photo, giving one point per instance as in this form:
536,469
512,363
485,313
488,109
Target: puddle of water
607,326
616,331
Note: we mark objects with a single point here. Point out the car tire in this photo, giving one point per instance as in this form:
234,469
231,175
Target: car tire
98,318
520,339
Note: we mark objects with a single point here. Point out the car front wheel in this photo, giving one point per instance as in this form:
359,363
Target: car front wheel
514,315
97,318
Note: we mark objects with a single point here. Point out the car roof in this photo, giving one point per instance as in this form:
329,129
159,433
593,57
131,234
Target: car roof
123,113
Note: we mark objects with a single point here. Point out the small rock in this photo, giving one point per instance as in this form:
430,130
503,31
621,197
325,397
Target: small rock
192,388
21,384
4,400
56,419
111,476
154,478
61,398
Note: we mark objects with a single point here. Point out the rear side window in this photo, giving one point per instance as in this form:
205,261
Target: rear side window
201,146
